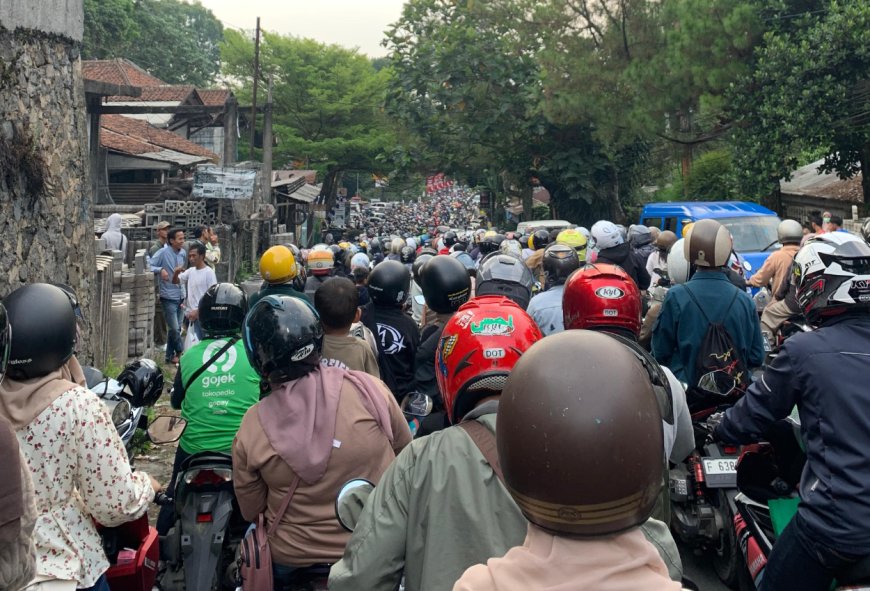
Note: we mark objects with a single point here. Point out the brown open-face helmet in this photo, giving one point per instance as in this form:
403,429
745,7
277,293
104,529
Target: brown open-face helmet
580,436
708,244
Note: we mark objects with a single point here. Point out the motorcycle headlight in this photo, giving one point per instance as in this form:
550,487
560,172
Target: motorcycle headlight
120,412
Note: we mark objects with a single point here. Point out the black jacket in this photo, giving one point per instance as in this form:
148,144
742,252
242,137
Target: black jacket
398,340
633,263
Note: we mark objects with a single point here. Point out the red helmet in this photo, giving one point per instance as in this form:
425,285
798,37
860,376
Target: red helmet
478,348
601,296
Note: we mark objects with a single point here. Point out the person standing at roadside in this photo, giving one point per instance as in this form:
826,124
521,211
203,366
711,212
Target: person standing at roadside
164,263
162,229
159,242
196,280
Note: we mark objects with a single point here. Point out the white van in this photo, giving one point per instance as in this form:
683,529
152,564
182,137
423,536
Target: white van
548,225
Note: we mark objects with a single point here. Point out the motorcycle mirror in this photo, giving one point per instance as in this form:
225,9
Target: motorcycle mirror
718,383
166,429
417,404
747,266
351,500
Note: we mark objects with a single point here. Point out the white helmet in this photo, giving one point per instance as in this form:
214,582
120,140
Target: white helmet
678,264
606,235
832,273
789,232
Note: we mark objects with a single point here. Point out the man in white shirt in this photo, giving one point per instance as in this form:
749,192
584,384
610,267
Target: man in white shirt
196,280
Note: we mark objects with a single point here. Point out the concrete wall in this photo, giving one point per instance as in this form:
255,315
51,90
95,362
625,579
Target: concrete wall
59,17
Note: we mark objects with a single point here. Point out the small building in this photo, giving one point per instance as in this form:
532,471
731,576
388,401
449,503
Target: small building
811,190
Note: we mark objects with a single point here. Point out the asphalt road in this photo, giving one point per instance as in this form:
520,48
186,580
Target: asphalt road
699,569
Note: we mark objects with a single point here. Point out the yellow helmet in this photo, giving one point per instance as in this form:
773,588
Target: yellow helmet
575,239
686,228
320,262
344,245
278,265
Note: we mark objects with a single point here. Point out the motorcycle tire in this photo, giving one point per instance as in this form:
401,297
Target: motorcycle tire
727,558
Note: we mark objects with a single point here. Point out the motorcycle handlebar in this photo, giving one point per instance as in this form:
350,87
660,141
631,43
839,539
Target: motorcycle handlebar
161,499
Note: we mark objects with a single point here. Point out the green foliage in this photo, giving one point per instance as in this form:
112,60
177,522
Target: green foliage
174,40
711,178
111,369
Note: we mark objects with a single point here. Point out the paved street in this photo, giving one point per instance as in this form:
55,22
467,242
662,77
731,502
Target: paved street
700,570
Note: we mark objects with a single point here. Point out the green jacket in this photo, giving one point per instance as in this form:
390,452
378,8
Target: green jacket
438,509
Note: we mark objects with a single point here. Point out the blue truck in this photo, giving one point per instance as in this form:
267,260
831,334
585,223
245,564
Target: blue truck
752,226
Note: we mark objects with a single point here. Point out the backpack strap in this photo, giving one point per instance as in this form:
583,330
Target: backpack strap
284,505
208,363
697,303
484,439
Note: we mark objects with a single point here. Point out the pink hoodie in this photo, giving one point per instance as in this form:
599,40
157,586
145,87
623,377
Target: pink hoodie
545,562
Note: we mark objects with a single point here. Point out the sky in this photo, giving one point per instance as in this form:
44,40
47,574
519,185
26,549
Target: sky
350,23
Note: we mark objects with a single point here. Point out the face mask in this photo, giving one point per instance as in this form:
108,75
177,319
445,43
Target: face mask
826,220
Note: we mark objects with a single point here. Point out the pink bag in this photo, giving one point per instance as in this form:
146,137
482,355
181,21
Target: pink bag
256,555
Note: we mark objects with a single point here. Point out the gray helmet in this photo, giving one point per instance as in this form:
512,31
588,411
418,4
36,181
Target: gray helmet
708,244
639,235
505,275
789,232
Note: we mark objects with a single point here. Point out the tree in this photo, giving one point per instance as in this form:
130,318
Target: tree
327,103
809,90
174,40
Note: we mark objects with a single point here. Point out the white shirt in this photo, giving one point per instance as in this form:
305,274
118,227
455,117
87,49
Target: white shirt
679,438
197,282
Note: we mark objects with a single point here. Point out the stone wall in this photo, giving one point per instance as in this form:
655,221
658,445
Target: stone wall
46,223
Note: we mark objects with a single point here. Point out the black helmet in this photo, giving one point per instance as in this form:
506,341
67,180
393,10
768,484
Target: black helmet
449,239
222,310
389,283
5,345
445,284
491,243
43,327
559,262
283,338
144,381
540,239
408,254
505,275
418,265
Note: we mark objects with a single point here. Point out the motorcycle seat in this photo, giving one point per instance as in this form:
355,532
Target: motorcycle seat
205,458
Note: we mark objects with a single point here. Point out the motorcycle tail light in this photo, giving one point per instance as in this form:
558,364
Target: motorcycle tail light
203,518
731,450
207,476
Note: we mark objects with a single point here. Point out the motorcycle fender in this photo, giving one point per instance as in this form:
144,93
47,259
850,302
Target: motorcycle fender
202,541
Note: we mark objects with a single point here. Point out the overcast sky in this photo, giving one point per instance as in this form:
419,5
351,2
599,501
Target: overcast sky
351,23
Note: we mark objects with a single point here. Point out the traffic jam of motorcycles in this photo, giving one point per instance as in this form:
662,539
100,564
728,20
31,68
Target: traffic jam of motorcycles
428,400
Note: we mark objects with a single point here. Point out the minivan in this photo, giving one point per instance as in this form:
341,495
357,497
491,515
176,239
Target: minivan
548,225
752,226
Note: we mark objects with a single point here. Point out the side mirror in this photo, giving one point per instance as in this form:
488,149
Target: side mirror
747,266
718,383
417,404
166,429
351,500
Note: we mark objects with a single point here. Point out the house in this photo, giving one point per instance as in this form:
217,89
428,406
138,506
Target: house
811,190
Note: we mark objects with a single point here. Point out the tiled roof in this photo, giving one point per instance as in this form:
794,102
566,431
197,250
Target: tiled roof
134,136
213,96
118,71
166,93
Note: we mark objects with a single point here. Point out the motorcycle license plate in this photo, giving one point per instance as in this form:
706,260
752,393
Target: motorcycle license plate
720,472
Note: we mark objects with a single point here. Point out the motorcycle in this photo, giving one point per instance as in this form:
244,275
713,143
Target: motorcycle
768,476
201,548
133,552
703,486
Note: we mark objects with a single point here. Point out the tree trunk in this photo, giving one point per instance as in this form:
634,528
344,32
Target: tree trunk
46,219
617,213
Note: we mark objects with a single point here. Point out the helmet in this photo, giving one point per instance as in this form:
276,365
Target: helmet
477,349
789,232
283,338
375,245
43,328
865,230
222,310
832,275
278,265
665,240
144,381
708,244
320,262
504,275
606,235
449,239
559,262
466,260
686,228
389,283
408,254
336,252
329,239
639,235
5,345
320,246
607,407
575,239
540,239
445,284
602,296
512,248
359,260
490,243
418,266
679,269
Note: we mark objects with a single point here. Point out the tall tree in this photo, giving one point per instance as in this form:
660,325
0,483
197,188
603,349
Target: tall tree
177,41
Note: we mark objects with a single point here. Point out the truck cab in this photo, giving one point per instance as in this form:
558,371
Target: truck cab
752,226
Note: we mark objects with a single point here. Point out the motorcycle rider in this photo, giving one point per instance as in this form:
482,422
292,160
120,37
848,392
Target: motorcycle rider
537,242
395,332
505,275
613,249
641,240
683,324
278,269
824,374
574,238
584,509
776,272
318,428
68,441
440,507
545,308
321,266
656,265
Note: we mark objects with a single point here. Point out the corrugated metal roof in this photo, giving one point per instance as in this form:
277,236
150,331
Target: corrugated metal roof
808,181
306,193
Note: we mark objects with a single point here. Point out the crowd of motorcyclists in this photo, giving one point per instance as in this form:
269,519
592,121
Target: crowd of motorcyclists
560,366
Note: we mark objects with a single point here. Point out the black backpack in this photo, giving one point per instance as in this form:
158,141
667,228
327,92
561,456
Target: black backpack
717,351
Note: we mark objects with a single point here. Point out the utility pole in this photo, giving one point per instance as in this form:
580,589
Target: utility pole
254,95
231,122
267,146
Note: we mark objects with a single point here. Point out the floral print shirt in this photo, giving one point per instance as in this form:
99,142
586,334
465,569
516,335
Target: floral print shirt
80,474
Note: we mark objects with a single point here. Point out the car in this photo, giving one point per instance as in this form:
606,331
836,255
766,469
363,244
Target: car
548,225
752,226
